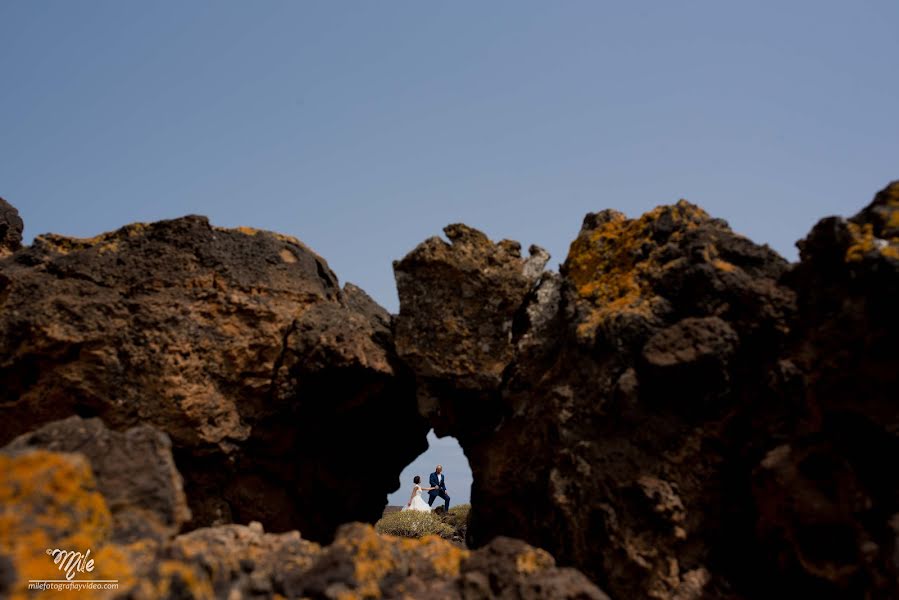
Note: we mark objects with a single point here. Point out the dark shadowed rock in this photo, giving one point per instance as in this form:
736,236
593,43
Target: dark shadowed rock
604,439
458,301
847,285
50,498
361,563
11,227
134,472
509,568
825,498
237,343
680,413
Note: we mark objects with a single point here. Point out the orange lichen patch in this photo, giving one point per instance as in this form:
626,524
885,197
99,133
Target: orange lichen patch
242,229
893,219
372,559
607,264
375,556
178,579
253,231
533,560
104,242
864,242
443,556
49,501
723,265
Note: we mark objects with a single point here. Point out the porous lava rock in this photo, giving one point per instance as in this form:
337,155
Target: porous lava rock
133,470
678,412
239,344
53,500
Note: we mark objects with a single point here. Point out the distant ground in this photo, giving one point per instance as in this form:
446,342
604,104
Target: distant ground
451,526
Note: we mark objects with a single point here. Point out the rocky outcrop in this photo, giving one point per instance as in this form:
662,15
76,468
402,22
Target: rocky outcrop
461,296
49,501
133,470
53,500
237,343
654,330
509,568
847,284
827,503
679,412
11,227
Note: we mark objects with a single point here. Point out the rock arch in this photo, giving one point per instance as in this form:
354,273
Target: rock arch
674,407
678,403
238,343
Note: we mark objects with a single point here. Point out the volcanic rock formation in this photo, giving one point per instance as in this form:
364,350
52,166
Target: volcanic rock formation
133,470
827,493
237,343
73,501
678,413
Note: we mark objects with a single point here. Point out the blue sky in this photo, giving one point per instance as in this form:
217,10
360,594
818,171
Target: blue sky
456,472
363,128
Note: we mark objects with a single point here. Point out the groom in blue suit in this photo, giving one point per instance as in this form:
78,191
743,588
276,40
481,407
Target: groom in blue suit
436,481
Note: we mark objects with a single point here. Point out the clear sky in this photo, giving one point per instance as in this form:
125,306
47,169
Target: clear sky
364,127
456,472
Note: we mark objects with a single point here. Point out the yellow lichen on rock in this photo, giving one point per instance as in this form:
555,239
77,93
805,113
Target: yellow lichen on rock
865,242
104,242
178,579
875,231
371,557
603,267
379,558
607,264
444,557
253,231
723,265
893,220
49,501
533,560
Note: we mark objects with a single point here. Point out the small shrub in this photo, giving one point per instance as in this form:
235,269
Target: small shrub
457,517
413,524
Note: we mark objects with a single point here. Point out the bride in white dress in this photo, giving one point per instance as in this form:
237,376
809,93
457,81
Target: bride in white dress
416,502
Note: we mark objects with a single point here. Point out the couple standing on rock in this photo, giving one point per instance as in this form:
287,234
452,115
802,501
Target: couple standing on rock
438,488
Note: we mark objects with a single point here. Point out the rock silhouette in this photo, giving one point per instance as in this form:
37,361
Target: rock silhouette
677,413
11,226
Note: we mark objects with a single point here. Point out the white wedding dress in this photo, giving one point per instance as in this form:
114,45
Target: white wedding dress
418,503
